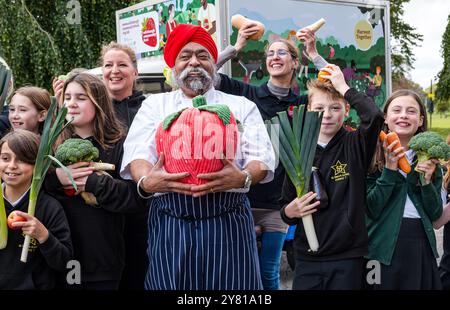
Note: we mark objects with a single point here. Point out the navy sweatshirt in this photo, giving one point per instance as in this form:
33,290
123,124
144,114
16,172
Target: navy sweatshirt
97,231
343,164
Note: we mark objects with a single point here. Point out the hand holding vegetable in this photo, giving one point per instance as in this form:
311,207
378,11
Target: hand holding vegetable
248,29
427,168
395,155
300,207
238,21
78,170
58,86
314,26
230,176
14,217
308,37
336,77
83,152
160,181
428,145
31,227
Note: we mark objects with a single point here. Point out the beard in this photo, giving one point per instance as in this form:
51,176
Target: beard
199,84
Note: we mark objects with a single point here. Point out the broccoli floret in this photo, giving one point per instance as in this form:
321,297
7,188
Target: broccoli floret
428,145
76,150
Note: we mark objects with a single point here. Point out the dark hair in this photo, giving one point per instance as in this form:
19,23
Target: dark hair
38,96
379,161
108,129
23,143
415,96
171,6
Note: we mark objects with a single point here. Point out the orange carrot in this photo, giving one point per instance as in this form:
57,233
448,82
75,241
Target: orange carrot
403,163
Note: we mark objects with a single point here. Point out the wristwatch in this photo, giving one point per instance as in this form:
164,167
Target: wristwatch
248,179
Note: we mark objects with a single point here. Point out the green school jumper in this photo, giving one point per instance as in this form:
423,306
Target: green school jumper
386,197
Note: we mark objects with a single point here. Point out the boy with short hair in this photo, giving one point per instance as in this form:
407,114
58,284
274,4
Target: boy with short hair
342,159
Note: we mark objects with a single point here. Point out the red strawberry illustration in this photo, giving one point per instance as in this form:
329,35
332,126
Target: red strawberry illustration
149,34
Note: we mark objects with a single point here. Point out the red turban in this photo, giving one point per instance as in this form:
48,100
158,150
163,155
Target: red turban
182,35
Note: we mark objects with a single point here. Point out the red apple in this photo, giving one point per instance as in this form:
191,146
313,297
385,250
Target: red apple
14,217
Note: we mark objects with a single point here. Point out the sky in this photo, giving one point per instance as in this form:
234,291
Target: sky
429,17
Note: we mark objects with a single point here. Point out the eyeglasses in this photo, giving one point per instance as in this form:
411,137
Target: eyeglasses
281,53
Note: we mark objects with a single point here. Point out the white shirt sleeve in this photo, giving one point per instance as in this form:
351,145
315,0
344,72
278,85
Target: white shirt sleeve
255,142
140,141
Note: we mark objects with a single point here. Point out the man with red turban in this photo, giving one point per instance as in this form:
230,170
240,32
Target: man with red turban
200,236
184,34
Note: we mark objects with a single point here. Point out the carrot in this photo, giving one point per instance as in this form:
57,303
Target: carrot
403,163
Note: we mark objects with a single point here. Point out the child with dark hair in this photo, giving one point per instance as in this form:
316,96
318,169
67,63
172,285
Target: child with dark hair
400,208
50,246
97,231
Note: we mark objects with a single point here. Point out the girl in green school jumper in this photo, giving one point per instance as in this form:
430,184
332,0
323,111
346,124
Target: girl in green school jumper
400,210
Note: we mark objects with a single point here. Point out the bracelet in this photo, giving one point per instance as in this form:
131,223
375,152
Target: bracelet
139,191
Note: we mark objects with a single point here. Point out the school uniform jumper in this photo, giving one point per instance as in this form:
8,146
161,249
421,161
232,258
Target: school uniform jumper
97,231
340,228
44,260
405,246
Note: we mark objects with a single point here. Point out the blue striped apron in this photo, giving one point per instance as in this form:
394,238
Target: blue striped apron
203,243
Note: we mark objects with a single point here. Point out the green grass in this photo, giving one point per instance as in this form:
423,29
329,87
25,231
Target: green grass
440,124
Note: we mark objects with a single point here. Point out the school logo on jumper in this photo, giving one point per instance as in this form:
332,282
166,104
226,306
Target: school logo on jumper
340,172
33,244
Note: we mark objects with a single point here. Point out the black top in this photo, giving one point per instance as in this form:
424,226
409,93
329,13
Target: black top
45,259
267,195
136,230
97,231
127,108
343,163
5,126
445,261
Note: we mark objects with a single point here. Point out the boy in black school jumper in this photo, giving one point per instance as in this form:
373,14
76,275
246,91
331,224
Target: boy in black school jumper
342,159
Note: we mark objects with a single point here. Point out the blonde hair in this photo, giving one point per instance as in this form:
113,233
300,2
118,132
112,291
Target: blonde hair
121,47
325,87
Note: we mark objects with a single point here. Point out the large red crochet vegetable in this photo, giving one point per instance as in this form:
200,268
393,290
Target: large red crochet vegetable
195,139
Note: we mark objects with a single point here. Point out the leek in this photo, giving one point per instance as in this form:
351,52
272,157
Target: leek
5,86
296,152
3,226
44,159
5,83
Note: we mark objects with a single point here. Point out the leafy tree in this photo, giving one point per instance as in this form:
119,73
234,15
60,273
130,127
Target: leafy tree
443,88
39,43
405,39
